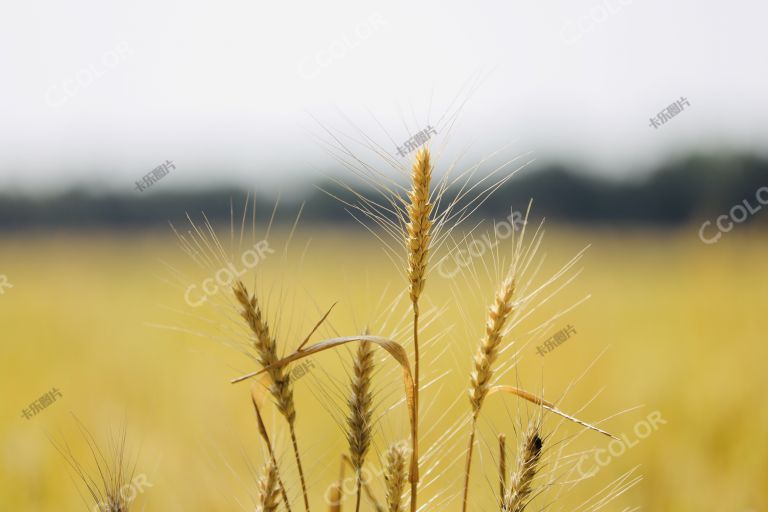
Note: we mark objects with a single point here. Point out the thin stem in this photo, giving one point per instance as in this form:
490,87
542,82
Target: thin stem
345,460
413,475
359,492
468,467
502,468
298,463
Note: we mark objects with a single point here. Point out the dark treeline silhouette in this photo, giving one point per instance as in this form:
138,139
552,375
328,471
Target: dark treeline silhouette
685,190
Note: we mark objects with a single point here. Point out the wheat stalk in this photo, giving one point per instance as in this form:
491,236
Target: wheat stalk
419,210
498,314
266,349
334,502
521,480
268,490
360,411
502,467
366,487
394,478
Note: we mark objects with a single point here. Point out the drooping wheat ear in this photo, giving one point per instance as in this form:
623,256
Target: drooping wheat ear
360,405
480,379
418,240
268,490
266,349
516,499
394,478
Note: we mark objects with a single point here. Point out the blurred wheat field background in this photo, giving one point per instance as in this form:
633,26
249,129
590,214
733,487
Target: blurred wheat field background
672,326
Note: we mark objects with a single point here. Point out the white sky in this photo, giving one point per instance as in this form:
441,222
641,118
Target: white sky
102,92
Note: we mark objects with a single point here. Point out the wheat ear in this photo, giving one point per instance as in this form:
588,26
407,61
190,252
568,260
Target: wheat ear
486,355
418,230
266,349
268,490
521,480
394,478
360,405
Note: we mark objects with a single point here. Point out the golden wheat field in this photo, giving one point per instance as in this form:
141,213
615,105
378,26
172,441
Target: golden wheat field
673,330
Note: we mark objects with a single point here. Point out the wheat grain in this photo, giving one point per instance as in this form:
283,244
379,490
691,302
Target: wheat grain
394,478
486,355
360,411
360,405
266,349
419,211
516,498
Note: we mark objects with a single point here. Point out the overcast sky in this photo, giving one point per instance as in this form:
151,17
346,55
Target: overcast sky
102,92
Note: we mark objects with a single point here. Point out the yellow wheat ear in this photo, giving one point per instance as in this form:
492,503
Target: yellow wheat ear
394,478
518,493
418,237
420,222
498,314
266,349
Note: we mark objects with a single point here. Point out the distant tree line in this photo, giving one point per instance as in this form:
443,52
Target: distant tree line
685,190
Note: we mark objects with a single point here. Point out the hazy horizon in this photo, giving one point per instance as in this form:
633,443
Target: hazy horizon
243,95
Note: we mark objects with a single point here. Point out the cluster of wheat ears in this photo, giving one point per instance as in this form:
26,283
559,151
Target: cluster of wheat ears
400,462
